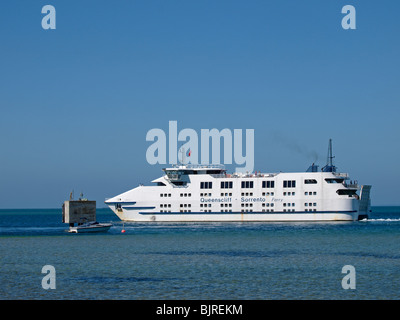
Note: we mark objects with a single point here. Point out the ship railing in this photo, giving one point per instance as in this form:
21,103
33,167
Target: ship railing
199,166
341,174
244,175
351,185
219,175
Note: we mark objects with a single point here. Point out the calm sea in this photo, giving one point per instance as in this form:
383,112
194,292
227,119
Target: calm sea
200,260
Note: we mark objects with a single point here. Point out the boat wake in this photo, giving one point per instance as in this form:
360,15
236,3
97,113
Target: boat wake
381,220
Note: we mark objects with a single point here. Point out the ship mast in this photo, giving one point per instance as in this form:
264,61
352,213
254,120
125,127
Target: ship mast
329,162
182,151
330,156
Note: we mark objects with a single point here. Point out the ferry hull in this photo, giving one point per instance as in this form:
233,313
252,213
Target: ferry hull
126,215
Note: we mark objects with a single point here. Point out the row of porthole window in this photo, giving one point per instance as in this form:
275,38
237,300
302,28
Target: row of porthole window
226,205
289,193
307,193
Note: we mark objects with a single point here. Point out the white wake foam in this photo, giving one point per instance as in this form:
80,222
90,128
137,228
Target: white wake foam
381,220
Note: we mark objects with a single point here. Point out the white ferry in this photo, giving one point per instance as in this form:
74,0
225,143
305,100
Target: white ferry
207,193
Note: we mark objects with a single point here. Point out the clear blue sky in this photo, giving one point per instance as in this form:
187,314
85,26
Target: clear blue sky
76,102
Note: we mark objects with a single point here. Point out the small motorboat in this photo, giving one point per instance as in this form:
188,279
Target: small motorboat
92,226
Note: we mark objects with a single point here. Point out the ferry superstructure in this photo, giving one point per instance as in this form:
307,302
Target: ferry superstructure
207,193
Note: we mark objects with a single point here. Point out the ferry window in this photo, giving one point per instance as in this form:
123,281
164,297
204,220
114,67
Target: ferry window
337,180
289,183
161,195
346,192
205,185
268,184
310,181
226,184
247,184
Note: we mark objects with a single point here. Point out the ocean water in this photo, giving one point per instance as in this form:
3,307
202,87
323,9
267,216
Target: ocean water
212,261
